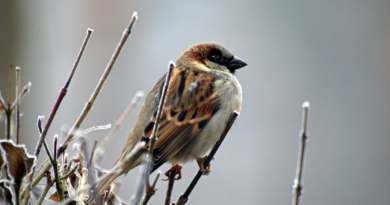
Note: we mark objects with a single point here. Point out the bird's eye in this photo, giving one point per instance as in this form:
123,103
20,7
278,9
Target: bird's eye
217,58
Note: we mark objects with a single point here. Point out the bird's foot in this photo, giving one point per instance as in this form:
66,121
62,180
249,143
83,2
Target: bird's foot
204,170
175,168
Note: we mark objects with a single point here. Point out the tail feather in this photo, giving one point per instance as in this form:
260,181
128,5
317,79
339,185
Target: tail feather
132,160
100,189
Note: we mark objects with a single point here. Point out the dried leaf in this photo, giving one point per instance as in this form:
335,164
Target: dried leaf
17,162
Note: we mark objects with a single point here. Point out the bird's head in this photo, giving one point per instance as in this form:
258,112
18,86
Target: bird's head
210,56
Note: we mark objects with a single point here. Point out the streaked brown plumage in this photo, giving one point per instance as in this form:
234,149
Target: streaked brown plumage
203,92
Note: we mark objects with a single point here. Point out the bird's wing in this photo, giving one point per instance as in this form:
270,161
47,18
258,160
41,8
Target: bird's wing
191,102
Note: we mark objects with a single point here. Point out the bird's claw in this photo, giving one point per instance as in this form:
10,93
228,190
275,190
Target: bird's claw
205,171
177,168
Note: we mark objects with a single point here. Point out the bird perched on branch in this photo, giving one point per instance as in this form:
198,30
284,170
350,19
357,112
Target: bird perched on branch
202,94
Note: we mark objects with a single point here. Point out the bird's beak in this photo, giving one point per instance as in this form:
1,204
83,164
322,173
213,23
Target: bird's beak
236,63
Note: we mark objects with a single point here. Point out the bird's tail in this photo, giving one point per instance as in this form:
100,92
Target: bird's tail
132,160
98,192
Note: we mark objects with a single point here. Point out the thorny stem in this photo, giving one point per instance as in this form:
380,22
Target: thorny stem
184,197
171,177
89,104
118,123
297,187
17,103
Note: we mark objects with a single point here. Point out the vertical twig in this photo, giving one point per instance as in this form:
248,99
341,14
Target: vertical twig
7,109
161,104
54,162
171,178
150,190
89,104
91,176
17,103
55,143
184,197
297,187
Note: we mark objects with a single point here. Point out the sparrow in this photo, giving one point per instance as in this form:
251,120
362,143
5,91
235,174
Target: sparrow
202,94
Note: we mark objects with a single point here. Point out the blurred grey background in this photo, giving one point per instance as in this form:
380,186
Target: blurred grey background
334,54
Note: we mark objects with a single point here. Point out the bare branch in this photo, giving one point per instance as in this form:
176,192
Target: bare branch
161,104
7,109
58,103
184,197
17,103
89,104
171,178
297,187
150,190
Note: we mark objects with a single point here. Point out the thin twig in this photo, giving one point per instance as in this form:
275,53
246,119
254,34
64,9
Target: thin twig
63,92
49,183
25,91
9,85
297,187
184,197
55,145
70,172
92,154
171,177
89,104
7,109
150,190
58,102
17,104
91,176
54,162
161,104
119,122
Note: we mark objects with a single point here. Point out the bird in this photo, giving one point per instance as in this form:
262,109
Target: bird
202,93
